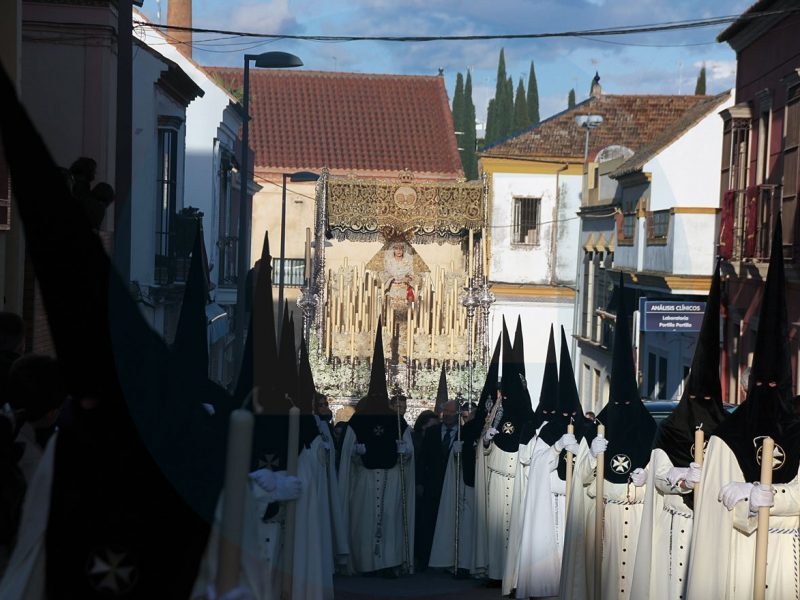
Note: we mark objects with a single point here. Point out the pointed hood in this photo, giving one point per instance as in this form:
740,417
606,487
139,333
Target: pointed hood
374,423
519,346
568,405
114,482
287,361
441,392
548,396
768,409
629,426
306,390
260,355
471,432
516,408
701,402
190,349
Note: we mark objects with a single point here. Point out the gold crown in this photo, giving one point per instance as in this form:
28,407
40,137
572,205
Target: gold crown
391,234
406,176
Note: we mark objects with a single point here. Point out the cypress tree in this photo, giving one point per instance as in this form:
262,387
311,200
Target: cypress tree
458,105
533,98
491,124
520,109
505,110
700,86
571,99
471,160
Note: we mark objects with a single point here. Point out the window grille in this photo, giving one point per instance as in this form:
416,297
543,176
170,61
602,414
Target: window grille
526,221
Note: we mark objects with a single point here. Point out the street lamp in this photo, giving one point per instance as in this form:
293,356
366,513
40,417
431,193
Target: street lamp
267,60
299,177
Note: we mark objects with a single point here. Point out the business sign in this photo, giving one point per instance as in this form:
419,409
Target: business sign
672,315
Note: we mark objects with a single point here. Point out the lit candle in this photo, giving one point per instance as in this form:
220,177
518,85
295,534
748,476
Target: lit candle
308,256
485,253
291,507
408,335
240,439
469,251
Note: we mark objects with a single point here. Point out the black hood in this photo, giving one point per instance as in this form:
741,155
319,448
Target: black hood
629,425
441,391
701,403
548,395
516,405
374,423
768,409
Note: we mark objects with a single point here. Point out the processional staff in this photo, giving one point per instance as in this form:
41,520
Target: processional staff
599,515
570,430
762,533
291,507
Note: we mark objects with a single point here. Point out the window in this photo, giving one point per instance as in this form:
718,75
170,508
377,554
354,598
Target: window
294,273
628,218
656,377
588,294
658,226
603,290
228,242
526,221
166,194
791,169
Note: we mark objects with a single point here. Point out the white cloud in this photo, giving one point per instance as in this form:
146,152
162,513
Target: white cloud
719,70
272,17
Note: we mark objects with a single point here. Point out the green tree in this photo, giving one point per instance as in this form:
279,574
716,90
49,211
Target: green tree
506,110
520,109
470,161
458,105
700,86
533,98
571,99
496,126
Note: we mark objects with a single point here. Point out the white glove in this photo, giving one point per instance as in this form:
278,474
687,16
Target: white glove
402,448
278,485
360,449
489,435
693,474
265,479
208,408
565,440
761,495
598,446
676,475
288,488
458,447
639,477
734,492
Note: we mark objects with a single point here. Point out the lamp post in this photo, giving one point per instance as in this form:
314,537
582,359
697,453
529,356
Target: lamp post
267,60
588,122
298,177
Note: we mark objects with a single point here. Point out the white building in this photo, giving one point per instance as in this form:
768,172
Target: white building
650,213
202,146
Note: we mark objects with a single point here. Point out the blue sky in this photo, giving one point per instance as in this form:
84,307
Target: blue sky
656,63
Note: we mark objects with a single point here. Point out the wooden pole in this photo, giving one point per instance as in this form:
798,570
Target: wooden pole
289,529
570,429
699,447
599,514
762,533
240,439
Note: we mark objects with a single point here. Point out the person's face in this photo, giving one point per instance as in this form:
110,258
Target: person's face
449,416
398,404
399,250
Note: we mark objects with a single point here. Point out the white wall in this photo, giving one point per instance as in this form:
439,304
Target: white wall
535,264
536,320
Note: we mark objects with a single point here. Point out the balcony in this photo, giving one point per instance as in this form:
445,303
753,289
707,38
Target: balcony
750,214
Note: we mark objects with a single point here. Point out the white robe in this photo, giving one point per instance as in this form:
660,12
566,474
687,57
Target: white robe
262,562
374,510
541,536
722,554
665,535
495,473
517,516
24,578
338,531
623,512
443,548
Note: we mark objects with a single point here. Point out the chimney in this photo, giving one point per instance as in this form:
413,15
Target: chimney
596,91
179,13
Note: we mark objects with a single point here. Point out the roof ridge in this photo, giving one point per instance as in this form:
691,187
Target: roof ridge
317,72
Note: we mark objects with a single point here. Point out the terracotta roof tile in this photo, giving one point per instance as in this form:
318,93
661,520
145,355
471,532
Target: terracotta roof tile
676,129
632,121
349,122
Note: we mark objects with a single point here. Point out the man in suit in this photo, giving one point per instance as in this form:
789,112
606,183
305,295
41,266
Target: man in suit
436,445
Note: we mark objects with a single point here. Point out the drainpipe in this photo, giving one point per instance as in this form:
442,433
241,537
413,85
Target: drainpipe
554,227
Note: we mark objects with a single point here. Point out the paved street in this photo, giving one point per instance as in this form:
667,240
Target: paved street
428,585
